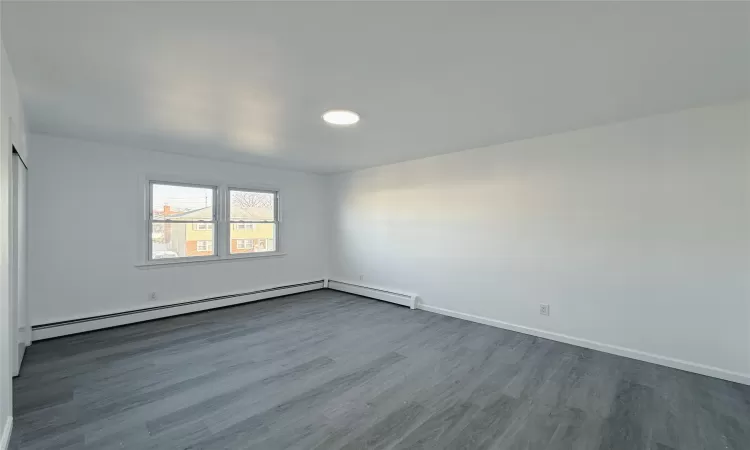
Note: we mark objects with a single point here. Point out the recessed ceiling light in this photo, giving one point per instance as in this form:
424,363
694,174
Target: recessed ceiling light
341,117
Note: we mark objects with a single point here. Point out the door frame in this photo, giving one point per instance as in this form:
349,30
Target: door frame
20,333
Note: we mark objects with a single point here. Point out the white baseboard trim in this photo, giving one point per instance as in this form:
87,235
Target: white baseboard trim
387,295
607,348
7,430
114,319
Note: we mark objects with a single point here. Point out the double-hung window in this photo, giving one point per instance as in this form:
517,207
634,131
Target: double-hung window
253,215
193,221
182,220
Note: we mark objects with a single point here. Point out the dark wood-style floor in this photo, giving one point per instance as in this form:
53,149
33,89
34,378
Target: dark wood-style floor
328,370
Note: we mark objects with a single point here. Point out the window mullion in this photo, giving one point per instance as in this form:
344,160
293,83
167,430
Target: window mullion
224,232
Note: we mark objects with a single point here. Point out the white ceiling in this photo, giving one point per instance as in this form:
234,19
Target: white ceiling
249,81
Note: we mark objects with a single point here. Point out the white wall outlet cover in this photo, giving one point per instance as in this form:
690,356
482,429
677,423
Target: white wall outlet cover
544,309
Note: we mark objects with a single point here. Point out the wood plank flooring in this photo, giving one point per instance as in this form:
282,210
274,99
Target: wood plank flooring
328,370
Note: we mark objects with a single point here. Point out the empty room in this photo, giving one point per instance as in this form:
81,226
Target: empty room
375,225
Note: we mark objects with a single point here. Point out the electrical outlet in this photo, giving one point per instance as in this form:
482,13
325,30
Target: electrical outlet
361,278
544,309
152,297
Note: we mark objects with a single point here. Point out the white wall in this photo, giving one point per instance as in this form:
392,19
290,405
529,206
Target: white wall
637,234
85,212
10,113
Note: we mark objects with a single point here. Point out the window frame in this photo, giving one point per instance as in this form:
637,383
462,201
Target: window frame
222,237
230,223
215,214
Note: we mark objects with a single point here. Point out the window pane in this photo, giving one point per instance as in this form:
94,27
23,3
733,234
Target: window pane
182,202
180,240
260,238
246,205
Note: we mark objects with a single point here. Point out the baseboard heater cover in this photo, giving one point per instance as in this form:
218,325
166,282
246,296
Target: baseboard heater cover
65,327
400,298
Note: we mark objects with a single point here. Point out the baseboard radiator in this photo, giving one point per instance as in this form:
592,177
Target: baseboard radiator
387,295
80,325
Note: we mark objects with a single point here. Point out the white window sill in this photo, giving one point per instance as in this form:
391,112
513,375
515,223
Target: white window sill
161,263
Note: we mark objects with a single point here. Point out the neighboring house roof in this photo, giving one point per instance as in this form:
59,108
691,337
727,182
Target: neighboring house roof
238,213
197,214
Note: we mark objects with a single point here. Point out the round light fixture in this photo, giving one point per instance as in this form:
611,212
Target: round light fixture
341,117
